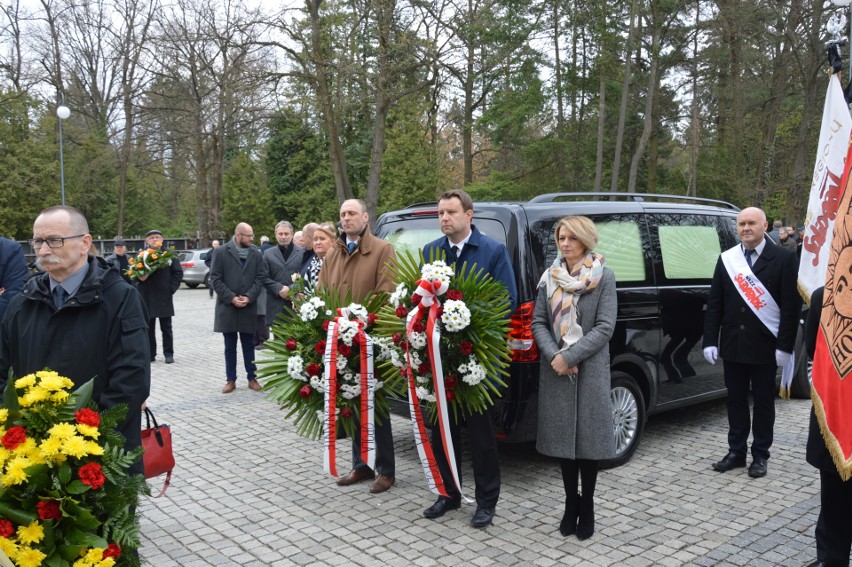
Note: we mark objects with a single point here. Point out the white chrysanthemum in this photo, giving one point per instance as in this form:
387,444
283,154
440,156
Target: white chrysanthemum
384,348
347,331
437,271
348,378
472,372
329,312
317,384
456,315
416,361
396,359
399,296
296,367
424,394
358,311
307,311
341,362
421,379
417,340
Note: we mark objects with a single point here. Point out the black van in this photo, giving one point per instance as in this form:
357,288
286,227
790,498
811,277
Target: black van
663,250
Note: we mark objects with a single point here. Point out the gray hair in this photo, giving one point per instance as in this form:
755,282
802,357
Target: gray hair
284,223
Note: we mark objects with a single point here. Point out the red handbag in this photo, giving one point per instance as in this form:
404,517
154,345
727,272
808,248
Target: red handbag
158,457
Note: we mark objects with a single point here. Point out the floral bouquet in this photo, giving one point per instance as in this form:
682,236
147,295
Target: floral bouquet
468,313
323,347
149,261
66,499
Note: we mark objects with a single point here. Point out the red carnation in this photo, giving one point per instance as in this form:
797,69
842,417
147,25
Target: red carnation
346,412
320,347
371,319
416,298
401,312
313,369
305,391
48,510
88,416
418,327
450,381
112,551
292,344
14,437
423,369
7,528
344,349
92,474
325,325
450,396
455,295
397,337
466,347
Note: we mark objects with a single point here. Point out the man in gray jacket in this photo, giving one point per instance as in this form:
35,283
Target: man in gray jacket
237,274
282,262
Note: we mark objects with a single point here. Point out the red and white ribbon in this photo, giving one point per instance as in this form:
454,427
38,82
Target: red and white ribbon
329,423
429,305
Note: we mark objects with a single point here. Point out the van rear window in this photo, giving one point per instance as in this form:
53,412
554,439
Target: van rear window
689,252
621,244
412,234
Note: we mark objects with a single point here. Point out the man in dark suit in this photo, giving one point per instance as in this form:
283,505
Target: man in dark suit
13,272
754,302
157,290
282,262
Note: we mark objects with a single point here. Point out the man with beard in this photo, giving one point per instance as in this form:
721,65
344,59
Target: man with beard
157,290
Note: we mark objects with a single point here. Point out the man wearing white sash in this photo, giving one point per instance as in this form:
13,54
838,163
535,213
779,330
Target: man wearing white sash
754,303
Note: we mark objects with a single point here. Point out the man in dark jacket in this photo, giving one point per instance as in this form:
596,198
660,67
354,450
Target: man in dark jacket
119,258
237,274
157,290
13,272
80,319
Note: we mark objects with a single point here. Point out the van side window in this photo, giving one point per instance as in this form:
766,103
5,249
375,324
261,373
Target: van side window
689,246
621,245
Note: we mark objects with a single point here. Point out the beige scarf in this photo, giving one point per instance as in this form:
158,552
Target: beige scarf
564,288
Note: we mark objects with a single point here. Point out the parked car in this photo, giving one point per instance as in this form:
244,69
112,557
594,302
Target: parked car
194,268
663,250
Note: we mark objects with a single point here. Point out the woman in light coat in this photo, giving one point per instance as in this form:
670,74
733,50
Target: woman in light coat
575,312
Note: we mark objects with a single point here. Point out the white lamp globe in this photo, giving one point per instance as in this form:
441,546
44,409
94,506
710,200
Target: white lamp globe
63,112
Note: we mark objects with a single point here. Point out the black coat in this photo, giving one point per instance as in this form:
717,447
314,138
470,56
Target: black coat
13,272
158,289
101,333
230,278
744,338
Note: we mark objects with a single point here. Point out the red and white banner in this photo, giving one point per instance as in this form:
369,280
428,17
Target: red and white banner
826,189
831,390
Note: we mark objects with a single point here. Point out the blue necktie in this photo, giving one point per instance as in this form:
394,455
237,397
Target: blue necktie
748,254
351,246
59,296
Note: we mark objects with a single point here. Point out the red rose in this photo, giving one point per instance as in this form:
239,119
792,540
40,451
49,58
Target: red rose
7,528
112,551
92,474
397,337
450,396
371,319
455,295
418,327
320,347
423,369
466,347
439,311
14,437
305,391
403,345
325,325
48,510
450,381
346,412
88,416
344,349
313,369
356,340
416,298
292,344
401,312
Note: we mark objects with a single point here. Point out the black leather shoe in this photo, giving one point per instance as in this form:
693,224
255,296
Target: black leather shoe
170,360
816,564
757,468
441,507
731,461
483,517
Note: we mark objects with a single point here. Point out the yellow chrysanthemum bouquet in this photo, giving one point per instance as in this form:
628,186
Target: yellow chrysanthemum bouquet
66,498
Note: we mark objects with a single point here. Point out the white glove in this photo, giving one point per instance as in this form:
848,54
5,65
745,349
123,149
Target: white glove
711,353
782,358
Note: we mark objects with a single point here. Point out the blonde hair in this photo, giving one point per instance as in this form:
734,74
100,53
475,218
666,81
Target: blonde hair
582,227
328,228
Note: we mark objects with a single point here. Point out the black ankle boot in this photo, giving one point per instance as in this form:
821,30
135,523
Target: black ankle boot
568,525
586,521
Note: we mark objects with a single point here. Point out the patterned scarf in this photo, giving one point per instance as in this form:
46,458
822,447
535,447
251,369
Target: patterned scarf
564,288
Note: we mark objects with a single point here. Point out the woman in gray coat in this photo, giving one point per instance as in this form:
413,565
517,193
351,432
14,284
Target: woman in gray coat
574,319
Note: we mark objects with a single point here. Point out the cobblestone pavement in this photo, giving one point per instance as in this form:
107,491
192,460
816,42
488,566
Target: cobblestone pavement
248,491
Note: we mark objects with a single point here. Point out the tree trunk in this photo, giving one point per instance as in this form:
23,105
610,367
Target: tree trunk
625,88
648,123
695,110
601,120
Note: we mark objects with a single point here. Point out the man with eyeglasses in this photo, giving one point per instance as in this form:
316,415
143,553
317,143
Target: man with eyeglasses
157,290
81,319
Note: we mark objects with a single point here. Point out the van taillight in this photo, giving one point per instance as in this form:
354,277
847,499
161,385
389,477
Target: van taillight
520,339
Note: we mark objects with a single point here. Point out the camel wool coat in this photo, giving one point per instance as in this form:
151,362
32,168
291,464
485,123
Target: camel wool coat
575,413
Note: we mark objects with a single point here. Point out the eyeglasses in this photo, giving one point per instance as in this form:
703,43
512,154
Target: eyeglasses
37,243
246,235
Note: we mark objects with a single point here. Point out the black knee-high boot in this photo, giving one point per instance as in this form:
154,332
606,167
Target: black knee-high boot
586,506
570,472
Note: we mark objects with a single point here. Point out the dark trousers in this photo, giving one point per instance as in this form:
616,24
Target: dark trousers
385,463
483,453
261,331
833,529
761,378
168,337
247,344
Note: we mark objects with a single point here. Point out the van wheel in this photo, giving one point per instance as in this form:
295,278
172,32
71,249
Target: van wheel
628,418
